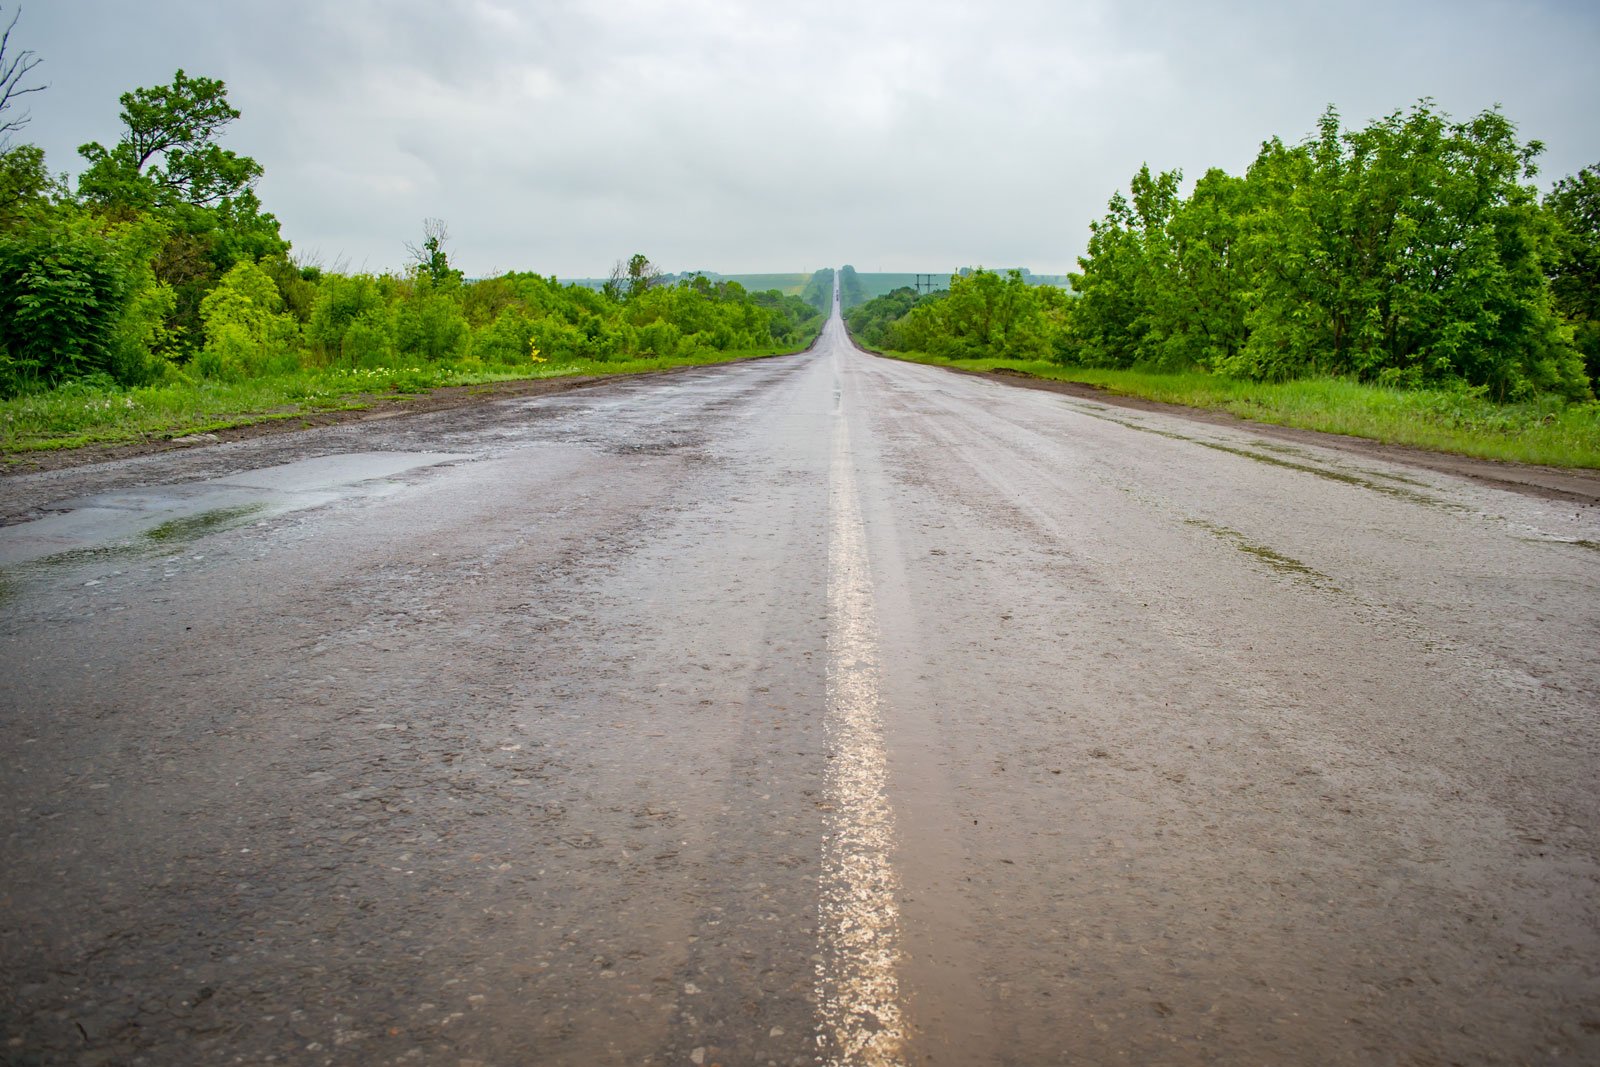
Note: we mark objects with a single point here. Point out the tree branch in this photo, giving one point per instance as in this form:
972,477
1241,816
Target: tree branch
11,74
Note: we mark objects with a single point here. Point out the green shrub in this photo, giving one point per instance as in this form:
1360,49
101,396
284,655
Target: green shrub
62,298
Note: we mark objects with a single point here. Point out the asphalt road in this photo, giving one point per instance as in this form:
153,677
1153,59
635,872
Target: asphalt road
820,709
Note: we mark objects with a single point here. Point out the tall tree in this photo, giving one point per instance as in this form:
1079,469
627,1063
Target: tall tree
23,178
1574,204
429,258
1408,251
169,163
168,153
632,279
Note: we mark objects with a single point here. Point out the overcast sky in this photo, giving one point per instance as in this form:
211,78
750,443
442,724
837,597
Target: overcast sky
562,135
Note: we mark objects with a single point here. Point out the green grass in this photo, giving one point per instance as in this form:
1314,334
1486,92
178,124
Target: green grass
76,416
1546,431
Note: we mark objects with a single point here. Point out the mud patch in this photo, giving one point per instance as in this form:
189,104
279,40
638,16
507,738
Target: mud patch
1273,559
79,557
156,541
192,526
1398,492
665,447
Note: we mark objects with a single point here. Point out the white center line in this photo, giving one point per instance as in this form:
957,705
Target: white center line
859,1015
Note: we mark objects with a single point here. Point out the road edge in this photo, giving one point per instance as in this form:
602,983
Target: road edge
1549,483
384,406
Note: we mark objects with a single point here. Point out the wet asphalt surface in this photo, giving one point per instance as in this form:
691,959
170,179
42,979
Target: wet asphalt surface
819,709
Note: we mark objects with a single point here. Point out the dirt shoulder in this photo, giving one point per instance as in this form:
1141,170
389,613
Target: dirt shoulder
1551,483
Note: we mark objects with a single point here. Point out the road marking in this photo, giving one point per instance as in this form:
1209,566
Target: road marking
859,1015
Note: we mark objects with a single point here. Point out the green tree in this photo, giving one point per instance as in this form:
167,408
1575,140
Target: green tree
168,163
429,258
1407,251
25,184
851,289
508,340
819,290
984,315
870,323
641,275
244,329
1115,285
296,282
429,323
63,294
169,153
350,322
1574,204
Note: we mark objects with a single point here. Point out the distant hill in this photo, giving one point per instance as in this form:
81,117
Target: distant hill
877,284
865,287
787,284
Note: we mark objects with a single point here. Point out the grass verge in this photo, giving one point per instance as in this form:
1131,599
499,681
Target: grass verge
76,416
1548,431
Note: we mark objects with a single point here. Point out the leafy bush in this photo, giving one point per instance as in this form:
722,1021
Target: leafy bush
62,299
430,324
349,321
243,328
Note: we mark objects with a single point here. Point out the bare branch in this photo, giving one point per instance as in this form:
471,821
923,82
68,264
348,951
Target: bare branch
435,235
12,72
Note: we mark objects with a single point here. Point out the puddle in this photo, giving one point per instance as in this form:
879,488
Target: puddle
1273,559
336,471
130,520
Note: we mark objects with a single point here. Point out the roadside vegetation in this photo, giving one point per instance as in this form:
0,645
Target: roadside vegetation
157,296
858,287
1403,282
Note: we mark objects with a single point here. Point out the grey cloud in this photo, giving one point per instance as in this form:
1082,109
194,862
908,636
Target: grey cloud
560,135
